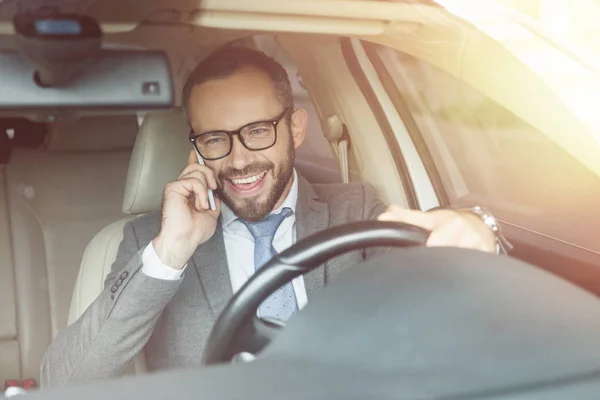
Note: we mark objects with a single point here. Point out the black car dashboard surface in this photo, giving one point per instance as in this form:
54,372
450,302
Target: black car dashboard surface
418,323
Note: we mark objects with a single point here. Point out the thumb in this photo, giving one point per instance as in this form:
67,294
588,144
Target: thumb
414,217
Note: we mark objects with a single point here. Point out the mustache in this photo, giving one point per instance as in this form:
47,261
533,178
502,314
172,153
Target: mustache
250,169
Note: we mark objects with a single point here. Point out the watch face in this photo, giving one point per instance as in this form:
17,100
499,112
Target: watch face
502,245
57,27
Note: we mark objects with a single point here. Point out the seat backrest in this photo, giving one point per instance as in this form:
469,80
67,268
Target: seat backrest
159,155
59,197
10,360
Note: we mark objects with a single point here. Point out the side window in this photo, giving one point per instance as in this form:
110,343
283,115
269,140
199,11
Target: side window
487,155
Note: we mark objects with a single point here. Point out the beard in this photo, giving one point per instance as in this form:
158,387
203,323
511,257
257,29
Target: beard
256,209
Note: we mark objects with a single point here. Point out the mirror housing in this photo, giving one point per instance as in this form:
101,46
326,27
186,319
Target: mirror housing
61,71
60,45
116,81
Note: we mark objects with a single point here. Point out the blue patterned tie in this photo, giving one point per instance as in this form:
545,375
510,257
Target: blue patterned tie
282,304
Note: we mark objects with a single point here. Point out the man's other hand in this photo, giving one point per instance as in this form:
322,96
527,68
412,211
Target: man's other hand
448,228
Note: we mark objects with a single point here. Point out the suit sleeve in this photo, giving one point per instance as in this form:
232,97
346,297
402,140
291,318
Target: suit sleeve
115,327
372,208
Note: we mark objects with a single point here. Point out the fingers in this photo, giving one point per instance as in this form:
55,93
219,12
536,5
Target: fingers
448,234
192,157
448,228
201,172
193,184
407,216
191,189
463,233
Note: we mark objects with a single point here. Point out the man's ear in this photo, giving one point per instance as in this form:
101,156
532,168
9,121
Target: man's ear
298,126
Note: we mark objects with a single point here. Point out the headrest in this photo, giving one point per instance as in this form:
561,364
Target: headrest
93,133
159,155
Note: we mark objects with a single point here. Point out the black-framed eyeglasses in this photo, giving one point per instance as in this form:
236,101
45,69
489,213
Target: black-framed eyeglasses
255,136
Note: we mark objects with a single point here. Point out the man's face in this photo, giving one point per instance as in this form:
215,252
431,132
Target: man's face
251,183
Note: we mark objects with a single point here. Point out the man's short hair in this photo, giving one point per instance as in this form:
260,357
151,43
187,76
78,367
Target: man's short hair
229,59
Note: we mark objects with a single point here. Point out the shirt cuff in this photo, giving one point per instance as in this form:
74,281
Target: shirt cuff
155,268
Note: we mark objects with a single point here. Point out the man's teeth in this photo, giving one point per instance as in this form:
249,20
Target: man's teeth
250,179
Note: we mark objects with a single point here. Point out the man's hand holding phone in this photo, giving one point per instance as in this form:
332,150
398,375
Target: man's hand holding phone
187,218
211,196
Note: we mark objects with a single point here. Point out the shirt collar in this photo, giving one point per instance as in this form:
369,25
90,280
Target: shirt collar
228,216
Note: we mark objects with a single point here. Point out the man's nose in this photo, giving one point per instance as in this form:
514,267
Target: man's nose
240,156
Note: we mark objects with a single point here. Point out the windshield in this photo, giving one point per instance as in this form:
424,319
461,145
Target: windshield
487,155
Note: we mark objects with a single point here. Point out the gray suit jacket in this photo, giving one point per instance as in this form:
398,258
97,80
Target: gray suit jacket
171,320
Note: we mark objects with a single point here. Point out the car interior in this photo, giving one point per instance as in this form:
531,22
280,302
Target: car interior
426,102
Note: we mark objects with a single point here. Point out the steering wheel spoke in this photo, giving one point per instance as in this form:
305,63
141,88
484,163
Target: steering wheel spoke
239,330
264,331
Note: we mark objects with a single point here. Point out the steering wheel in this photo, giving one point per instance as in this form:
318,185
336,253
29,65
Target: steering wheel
238,329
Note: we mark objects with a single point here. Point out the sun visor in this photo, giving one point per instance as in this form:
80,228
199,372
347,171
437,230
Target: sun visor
117,81
60,70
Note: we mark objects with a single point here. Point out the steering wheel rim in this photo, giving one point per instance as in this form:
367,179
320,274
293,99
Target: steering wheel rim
238,319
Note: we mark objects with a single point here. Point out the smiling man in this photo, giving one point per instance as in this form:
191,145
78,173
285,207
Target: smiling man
254,172
175,270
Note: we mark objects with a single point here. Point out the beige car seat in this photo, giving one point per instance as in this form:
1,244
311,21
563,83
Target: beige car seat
58,196
160,153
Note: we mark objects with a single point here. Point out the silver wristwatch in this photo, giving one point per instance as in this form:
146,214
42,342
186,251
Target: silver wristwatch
503,246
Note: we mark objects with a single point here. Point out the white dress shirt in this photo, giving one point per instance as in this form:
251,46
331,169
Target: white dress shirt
239,247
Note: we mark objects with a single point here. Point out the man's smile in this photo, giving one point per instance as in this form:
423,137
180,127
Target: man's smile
248,186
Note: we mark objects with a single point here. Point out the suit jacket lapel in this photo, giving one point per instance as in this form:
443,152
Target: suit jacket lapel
210,261
311,216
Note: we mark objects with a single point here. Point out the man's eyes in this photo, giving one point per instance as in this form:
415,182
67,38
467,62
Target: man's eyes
216,139
258,131
212,140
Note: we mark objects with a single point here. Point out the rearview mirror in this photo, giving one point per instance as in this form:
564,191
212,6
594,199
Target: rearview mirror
116,80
